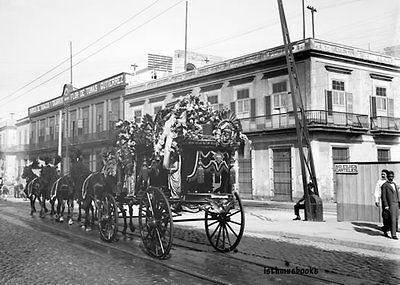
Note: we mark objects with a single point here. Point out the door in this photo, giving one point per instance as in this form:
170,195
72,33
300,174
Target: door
282,174
245,177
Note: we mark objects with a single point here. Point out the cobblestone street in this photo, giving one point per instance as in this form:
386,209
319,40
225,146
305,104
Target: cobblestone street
31,257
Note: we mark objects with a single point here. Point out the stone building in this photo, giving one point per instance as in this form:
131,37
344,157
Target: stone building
349,95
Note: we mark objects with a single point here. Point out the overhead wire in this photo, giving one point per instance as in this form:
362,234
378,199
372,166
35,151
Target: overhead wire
197,48
82,50
96,52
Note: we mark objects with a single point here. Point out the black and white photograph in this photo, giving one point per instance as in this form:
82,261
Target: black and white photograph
199,142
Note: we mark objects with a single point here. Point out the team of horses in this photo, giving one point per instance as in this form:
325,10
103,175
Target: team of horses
80,184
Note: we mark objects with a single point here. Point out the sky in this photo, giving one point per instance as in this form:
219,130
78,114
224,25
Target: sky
108,36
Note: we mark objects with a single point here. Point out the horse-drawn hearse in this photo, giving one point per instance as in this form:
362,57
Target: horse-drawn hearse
182,161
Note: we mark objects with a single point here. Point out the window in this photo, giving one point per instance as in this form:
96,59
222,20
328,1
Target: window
157,109
279,87
340,154
137,116
337,85
213,100
381,101
99,117
113,113
281,96
85,120
243,102
41,130
73,123
338,94
383,155
51,128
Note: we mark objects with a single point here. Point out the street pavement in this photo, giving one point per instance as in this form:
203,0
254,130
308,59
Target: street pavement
344,252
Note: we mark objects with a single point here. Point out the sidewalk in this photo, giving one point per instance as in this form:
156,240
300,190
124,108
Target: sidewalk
275,220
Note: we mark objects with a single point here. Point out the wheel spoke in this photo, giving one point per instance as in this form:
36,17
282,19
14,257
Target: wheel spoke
227,235
219,234
213,223
233,213
236,223
215,230
160,241
232,230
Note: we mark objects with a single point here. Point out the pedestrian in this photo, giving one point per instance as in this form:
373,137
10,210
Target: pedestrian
299,205
377,195
390,203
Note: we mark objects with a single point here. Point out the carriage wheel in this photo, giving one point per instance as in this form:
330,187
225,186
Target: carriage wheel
155,223
224,228
107,216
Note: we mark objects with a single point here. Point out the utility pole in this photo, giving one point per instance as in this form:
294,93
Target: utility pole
186,19
304,21
67,116
306,162
312,9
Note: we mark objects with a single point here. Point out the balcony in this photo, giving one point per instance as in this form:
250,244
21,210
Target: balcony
315,118
385,125
99,137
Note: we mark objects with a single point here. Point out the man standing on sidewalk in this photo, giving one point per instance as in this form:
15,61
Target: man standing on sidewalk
390,202
377,195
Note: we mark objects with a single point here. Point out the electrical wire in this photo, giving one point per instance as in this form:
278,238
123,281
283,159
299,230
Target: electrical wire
82,50
96,52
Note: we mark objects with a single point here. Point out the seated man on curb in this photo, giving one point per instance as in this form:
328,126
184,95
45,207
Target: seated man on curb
299,206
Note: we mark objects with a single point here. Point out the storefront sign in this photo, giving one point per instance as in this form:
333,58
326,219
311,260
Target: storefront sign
346,168
69,95
96,88
46,106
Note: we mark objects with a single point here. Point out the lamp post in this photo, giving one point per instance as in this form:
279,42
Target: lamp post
312,9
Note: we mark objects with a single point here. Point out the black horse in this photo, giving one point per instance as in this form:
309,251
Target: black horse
32,186
63,190
38,186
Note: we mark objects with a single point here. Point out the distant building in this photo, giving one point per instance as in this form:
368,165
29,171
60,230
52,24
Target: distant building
193,60
8,132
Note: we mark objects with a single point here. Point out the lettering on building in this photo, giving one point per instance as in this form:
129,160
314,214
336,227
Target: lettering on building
346,168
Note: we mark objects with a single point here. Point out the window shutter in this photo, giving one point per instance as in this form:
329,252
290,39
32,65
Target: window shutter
328,101
349,102
390,107
253,109
373,106
233,105
267,105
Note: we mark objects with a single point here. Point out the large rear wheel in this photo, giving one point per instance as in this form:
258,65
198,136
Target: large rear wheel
108,215
224,223
155,223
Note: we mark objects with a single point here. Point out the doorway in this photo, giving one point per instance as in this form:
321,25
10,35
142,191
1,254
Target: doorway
282,174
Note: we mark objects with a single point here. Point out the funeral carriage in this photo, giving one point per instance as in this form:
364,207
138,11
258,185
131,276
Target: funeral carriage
180,162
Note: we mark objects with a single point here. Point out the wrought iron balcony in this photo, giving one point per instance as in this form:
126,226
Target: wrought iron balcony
385,124
315,118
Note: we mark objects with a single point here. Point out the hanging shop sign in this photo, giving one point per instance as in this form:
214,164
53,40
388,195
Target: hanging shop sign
346,168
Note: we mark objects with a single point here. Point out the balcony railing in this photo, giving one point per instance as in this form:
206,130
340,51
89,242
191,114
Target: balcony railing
314,118
385,124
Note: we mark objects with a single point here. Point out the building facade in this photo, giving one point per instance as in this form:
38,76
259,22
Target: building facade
349,97
88,116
